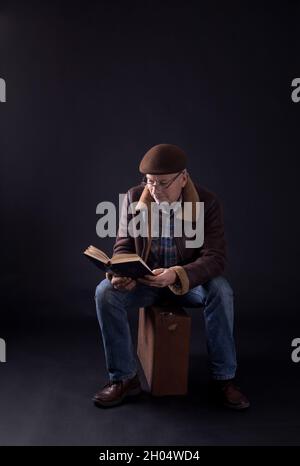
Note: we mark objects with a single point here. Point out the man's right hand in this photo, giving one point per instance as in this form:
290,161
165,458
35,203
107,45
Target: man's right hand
123,283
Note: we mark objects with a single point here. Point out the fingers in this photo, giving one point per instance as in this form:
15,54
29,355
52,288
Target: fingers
127,287
149,278
123,283
126,281
120,280
130,285
157,271
151,282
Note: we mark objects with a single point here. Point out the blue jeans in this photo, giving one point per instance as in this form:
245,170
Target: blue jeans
112,305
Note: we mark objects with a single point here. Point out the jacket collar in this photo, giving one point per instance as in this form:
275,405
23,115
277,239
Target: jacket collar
189,194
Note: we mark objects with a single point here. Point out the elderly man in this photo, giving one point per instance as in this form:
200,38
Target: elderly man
193,276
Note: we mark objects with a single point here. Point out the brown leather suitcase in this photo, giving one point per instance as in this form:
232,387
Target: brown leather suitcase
163,348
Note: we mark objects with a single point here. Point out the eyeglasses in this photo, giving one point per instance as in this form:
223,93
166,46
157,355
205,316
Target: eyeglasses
160,184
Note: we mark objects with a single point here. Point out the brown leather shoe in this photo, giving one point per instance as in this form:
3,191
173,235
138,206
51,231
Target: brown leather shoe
230,395
113,393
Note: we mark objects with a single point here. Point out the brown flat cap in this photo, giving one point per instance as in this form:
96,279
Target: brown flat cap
163,159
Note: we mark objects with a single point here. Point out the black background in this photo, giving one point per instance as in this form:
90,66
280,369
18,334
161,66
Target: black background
91,86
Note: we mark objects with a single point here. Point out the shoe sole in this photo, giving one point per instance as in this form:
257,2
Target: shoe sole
237,408
132,392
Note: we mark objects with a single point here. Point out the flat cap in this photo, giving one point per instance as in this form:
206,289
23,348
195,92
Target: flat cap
163,159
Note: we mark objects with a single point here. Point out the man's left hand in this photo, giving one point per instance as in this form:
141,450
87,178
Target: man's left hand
162,278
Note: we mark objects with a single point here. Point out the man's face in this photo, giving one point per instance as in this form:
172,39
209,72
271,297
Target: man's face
166,188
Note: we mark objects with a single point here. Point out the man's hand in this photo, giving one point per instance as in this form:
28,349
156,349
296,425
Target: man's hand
163,277
123,283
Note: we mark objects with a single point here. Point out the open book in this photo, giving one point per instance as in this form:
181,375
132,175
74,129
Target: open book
125,265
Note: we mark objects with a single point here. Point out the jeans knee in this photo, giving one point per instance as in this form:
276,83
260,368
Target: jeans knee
103,289
219,286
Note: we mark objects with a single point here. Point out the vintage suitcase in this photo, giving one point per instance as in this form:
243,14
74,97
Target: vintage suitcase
163,348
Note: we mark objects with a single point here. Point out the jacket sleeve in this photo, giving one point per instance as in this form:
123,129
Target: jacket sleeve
124,243
213,255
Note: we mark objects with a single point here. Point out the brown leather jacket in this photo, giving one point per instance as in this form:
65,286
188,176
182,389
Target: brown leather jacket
196,266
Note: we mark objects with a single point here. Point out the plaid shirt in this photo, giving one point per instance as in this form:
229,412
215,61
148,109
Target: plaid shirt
163,251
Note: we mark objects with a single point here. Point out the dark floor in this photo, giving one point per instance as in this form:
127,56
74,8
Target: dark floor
53,370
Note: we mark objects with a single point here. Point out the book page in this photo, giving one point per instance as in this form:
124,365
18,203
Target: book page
97,254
